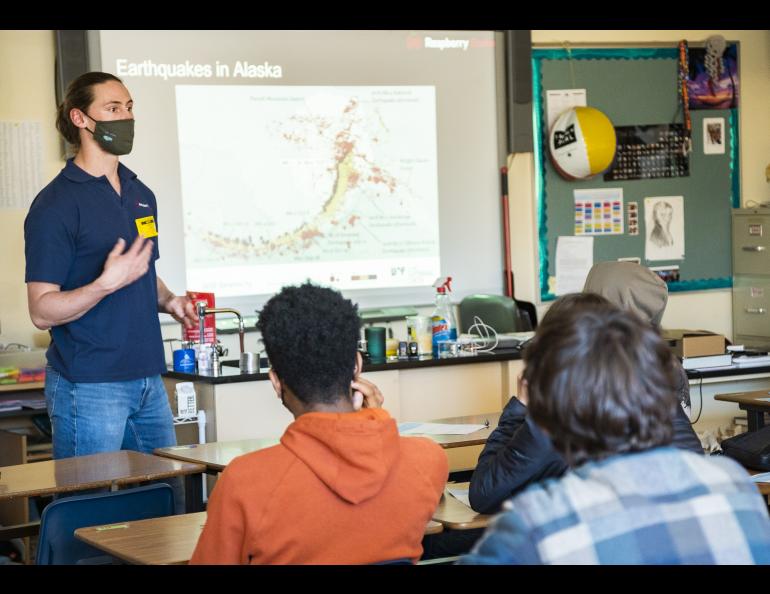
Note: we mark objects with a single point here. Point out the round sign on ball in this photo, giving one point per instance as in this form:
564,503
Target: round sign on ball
582,143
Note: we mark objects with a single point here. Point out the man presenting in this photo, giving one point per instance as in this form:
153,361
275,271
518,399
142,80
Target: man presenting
91,241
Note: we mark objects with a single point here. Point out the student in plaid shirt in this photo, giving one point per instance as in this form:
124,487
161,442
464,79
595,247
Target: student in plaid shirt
601,383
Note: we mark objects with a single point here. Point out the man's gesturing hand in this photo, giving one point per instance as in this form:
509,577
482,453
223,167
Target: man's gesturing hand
121,269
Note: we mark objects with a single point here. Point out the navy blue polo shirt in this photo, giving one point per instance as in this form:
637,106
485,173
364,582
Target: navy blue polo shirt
72,225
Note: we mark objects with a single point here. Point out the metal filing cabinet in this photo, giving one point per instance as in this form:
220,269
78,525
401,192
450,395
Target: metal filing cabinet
751,277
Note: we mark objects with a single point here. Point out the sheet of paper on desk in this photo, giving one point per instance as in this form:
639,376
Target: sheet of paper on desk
460,494
761,478
745,361
437,429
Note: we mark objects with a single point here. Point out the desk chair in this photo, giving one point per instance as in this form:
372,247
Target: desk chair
527,314
57,544
502,313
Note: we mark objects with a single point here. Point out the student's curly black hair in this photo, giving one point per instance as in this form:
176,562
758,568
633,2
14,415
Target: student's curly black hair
310,335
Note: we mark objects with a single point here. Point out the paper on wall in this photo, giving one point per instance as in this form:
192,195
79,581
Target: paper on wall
713,136
574,258
664,228
599,211
557,101
21,163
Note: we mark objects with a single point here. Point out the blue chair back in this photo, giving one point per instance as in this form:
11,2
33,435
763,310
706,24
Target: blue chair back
527,315
57,544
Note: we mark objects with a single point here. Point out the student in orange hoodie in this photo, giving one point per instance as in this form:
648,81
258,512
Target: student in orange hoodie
342,486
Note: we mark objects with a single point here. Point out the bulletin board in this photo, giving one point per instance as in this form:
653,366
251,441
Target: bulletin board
637,87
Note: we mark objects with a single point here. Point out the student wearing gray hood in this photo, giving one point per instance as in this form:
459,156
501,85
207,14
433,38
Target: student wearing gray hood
637,289
518,453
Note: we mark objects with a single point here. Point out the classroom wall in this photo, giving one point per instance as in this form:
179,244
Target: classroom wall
711,310
27,67
26,94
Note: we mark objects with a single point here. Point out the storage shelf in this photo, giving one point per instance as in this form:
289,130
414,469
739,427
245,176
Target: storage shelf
185,421
22,386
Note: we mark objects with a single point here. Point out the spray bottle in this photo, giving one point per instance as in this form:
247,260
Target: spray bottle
444,324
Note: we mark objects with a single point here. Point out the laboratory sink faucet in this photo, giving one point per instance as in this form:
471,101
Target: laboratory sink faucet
204,311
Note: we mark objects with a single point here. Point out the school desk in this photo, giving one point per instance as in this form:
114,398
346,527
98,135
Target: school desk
108,469
169,540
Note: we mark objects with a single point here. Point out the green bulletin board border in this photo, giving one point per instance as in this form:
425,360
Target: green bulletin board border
538,55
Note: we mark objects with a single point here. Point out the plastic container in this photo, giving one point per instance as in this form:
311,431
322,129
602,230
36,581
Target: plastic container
375,338
419,329
391,345
448,349
443,317
184,360
207,358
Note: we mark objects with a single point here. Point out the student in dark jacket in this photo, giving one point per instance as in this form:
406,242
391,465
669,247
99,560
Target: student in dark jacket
518,453
601,384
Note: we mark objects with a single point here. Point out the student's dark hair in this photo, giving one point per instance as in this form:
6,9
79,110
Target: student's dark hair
311,336
574,300
79,95
600,381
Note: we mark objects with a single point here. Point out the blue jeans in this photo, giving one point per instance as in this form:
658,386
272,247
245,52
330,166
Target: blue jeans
87,418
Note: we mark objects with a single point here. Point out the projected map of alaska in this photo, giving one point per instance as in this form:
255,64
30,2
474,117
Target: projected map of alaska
308,175
313,171
351,169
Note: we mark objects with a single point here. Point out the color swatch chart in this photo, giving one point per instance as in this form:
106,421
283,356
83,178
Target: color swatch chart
598,217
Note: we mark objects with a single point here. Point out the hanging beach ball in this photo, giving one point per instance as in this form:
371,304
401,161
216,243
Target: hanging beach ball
582,143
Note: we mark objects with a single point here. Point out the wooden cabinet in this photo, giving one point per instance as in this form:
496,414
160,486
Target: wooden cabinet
21,442
13,451
27,421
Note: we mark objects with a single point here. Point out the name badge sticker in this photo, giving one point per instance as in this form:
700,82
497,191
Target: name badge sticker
146,226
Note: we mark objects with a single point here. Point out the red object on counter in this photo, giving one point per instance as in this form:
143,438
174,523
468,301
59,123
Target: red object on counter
209,326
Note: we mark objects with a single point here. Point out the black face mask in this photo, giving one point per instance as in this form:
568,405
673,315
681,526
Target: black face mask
114,136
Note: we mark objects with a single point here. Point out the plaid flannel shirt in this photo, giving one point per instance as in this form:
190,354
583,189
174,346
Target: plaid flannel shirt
660,506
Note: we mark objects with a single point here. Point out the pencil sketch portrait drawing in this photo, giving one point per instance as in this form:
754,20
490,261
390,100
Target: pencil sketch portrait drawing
660,235
664,228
